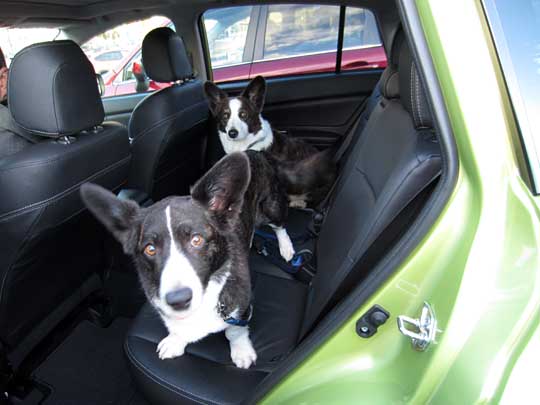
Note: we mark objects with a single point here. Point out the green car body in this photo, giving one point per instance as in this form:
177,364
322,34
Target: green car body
478,266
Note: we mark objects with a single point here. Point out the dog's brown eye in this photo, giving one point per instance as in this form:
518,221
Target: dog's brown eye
197,240
242,115
150,250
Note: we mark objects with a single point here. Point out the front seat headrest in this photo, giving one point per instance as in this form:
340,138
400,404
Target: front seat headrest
52,89
164,56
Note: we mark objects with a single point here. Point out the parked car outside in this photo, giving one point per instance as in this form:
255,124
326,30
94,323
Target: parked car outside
241,47
105,61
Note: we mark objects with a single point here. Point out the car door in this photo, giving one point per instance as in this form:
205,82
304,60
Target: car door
308,94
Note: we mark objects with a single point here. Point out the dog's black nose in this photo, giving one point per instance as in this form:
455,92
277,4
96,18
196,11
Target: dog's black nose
179,299
233,133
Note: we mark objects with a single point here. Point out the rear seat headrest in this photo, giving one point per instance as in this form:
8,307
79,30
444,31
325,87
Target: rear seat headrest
411,90
164,56
389,78
390,83
52,90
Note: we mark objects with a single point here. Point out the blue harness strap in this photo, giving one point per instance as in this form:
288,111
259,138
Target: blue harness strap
269,249
240,321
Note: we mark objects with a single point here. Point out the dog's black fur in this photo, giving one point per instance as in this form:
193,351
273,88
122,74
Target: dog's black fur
306,173
224,207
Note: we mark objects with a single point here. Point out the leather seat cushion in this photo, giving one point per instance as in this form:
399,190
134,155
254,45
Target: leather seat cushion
278,310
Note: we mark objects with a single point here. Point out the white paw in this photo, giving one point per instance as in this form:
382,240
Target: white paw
243,354
170,347
286,249
298,204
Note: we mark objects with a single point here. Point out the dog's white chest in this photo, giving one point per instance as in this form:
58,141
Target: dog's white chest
197,326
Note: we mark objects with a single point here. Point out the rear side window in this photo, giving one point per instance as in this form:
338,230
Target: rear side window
516,33
300,30
116,55
281,40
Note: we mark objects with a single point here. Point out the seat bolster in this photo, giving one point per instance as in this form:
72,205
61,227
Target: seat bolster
47,170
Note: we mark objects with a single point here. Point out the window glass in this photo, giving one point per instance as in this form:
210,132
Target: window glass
362,45
293,30
360,29
12,40
226,32
280,40
116,54
516,32
230,41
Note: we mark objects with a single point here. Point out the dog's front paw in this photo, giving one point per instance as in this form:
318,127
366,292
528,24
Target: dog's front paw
286,249
243,354
170,347
298,204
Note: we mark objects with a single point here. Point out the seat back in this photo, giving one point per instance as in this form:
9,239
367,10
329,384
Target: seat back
51,247
168,129
393,160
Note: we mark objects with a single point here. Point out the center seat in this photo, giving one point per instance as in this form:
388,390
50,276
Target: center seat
396,155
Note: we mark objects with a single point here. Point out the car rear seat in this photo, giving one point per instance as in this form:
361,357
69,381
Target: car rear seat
395,156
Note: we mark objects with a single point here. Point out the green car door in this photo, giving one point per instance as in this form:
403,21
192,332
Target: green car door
477,267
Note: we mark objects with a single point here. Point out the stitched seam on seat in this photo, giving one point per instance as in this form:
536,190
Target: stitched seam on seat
61,157
161,381
372,189
20,211
417,80
411,79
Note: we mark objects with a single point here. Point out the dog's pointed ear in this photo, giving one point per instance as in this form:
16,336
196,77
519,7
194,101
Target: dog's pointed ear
215,96
256,92
120,217
221,190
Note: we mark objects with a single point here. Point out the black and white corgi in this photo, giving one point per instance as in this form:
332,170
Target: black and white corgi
306,173
191,252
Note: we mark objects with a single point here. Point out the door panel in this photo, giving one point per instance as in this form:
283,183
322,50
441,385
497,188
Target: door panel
119,108
317,108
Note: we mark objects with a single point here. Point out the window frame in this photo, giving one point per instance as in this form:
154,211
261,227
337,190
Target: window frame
258,38
530,150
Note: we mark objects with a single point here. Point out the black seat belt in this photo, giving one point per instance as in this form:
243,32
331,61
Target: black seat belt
386,238
322,208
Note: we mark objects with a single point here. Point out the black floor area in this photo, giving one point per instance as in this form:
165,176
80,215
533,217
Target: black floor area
89,368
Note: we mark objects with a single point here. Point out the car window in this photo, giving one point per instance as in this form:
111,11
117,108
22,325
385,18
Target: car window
280,40
12,40
516,33
113,54
293,30
226,32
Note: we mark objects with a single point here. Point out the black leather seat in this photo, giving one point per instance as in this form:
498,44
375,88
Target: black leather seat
48,264
395,156
168,128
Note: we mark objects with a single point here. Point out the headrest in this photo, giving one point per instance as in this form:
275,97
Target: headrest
390,76
164,56
52,89
390,83
413,97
